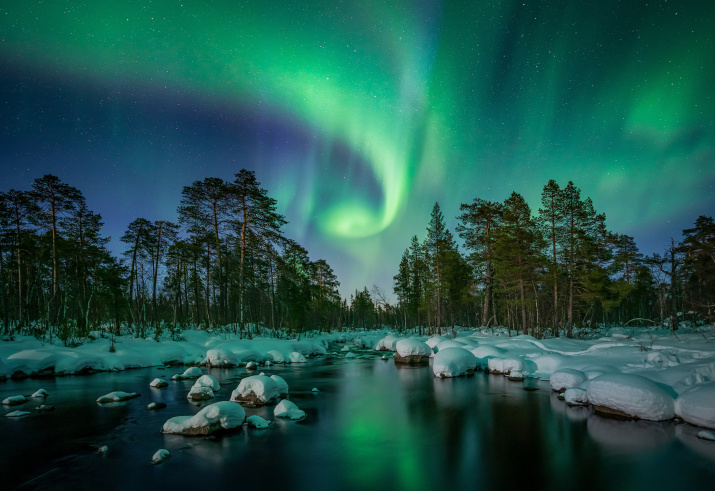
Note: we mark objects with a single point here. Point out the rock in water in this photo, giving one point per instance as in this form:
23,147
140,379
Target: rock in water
160,456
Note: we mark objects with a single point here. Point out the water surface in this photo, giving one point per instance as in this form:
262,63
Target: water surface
372,425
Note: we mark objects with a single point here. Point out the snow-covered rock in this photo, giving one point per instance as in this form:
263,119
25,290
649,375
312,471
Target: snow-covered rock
350,355
117,396
257,422
251,365
276,356
505,365
220,358
387,343
565,378
17,414
160,456
159,383
697,405
200,393
630,396
706,435
447,343
191,372
453,362
315,389
220,415
486,352
156,405
256,390
412,351
282,385
207,381
296,357
286,409
15,400
576,396
39,394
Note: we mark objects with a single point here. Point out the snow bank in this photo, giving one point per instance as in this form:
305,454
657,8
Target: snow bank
453,362
221,415
565,378
697,405
411,347
256,390
286,409
117,396
631,395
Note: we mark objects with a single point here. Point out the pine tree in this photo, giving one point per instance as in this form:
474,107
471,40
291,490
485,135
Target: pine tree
550,221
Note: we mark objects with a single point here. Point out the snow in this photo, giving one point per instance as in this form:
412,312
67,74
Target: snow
576,396
14,400
485,353
633,395
565,378
412,347
286,409
453,362
207,381
117,396
200,393
220,358
192,372
448,343
505,365
706,435
251,365
225,414
697,405
159,383
387,343
315,389
296,357
263,388
350,355
282,384
17,414
40,393
257,422
160,456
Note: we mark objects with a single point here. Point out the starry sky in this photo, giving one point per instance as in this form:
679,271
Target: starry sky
358,115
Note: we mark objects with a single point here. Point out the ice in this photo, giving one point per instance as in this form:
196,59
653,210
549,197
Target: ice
632,395
453,362
287,409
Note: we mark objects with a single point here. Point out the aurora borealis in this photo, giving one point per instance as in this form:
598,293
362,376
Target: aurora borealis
357,116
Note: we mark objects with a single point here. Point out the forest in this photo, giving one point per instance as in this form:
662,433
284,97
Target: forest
227,264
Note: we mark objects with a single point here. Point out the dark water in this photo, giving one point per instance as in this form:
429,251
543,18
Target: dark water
371,426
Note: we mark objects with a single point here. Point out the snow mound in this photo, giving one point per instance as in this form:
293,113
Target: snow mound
277,356
159,383
200,393
282,385
485,352
286,409
448,343
40,393
631,395
350,355
565,378
453,362
505,365
296,357
256,390
221,415
575,396
220,358
251,365
207,381
697,405
193,372
412,347
387,343
117,396
434,341
160,456
17,414
257,422
548,364
15,400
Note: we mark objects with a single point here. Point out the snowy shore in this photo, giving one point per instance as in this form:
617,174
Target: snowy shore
643,373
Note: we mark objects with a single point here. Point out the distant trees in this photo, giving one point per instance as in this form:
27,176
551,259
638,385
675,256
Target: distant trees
558,269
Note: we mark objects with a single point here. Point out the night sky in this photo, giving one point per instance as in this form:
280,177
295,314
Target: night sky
358,116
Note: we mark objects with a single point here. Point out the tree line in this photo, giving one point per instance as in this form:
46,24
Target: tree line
549,272
226,263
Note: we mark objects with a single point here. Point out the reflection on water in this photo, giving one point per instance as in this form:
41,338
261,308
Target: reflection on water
372,425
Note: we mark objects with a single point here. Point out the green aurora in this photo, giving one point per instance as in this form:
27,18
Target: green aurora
401,105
